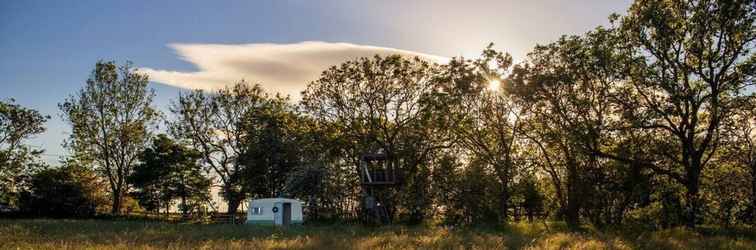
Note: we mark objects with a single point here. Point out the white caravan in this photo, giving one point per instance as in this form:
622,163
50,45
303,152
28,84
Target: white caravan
274,211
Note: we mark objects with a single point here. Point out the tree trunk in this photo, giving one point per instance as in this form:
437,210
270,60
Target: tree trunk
692,206
530,214
504,203
419,205
233,196
233,205
184,209
692,199
117,201
502,172
753,192
572,213
312,208
157,209
234,200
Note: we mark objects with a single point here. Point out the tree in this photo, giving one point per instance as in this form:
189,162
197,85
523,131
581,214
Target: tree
691,60
70,191
17,160
169,171
274,147
376,106
471,191
308,182
322,178
214,124
570,84
110,120
740,134
489,124
531,198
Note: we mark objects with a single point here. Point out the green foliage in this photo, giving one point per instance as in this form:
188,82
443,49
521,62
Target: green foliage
466,193
273,148
376,105
648,123
169,171
531,197
692,60
17,161
569,86
111,119
223,127
70,191
489,121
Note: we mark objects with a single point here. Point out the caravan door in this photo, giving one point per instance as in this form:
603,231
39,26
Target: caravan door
286,213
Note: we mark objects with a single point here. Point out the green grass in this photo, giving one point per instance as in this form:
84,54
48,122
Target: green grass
119,234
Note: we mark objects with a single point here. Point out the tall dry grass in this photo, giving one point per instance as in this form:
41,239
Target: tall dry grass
113,234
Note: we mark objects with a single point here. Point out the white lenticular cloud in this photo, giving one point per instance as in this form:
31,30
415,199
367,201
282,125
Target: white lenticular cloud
283,68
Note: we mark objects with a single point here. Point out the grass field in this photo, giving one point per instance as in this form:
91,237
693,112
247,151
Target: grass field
109,234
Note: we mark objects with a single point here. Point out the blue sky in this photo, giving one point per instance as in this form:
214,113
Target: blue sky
48,48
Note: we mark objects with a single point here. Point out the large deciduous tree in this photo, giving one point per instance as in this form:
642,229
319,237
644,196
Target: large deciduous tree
215,123
570,84
111,118
740,136
692,59
375,103
273,147
488,124
16,125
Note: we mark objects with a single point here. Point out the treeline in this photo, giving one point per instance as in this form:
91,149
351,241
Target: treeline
649,121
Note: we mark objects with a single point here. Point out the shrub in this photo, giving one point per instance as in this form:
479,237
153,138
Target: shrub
60,192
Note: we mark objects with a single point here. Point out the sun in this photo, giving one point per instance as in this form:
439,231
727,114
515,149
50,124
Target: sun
494,84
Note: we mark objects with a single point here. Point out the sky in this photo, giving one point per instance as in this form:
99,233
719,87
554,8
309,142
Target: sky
48,48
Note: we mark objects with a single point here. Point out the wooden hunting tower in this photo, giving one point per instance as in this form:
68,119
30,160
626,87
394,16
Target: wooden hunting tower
377,170
378,176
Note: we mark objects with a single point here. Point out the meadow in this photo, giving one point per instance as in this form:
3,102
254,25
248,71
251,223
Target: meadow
123,234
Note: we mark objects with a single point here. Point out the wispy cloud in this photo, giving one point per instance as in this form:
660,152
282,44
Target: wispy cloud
284,68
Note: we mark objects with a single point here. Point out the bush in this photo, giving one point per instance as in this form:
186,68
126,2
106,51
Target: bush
58,193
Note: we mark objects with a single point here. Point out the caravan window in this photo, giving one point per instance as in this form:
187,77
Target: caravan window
257,210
